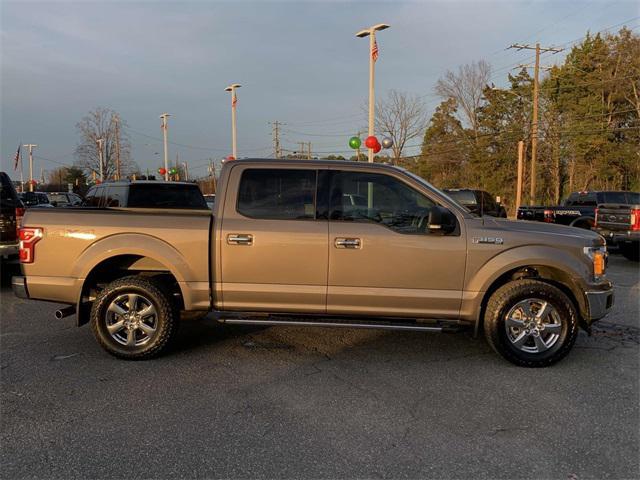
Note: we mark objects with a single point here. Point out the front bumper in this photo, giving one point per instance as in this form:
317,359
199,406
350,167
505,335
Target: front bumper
599,303
19,286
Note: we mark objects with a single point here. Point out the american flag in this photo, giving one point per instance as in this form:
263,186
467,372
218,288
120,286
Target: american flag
16,159
234,101
374,50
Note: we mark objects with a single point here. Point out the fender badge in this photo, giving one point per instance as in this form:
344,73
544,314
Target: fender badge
492,240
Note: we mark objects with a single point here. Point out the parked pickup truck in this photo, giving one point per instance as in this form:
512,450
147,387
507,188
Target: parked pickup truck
578,210
620,225
286,245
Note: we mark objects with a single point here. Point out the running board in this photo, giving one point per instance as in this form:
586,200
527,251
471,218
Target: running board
346,324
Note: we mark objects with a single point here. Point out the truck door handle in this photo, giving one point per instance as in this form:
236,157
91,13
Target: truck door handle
347,243
240,239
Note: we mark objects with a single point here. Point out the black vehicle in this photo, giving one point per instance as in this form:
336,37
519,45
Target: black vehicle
11,212
578,210
35,199
477,201
210,198
146,194
620,225
64,199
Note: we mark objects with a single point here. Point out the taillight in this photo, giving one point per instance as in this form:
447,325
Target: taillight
635,219
548,216
19,215
595,220
28,236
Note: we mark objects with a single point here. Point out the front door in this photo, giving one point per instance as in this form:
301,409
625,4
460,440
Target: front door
382,259
272,243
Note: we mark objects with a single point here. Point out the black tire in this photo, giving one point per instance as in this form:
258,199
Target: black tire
630,251
508,297
164,319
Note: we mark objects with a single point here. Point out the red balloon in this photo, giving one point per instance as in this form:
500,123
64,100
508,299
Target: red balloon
162,171
371,142
377,148
231,157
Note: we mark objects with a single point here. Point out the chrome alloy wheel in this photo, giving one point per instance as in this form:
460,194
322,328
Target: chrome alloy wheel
533,325
131,319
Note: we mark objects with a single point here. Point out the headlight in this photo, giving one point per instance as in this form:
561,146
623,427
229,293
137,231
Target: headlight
598,256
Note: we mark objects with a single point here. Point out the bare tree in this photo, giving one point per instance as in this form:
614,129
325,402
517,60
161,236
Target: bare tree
466,87
401,117
101,123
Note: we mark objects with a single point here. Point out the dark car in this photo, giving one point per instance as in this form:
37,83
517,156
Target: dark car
64,199
35,199
477,201
11,212
146,194
578,209
619,223
210,198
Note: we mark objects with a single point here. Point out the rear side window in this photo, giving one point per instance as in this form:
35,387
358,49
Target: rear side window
277,194
116,196
582,199
94,197
165,195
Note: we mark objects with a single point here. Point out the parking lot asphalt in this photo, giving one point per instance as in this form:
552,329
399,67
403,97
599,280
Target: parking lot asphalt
280,402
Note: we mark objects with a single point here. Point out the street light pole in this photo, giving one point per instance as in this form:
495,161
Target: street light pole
373,55
165,127
100,141
30,146
234,100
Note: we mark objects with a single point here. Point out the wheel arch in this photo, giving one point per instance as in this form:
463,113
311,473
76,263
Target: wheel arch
120,255
585,222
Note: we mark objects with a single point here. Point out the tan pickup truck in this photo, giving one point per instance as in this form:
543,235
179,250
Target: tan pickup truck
318,243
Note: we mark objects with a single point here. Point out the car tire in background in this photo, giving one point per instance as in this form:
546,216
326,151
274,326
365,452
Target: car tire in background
530,323
133,318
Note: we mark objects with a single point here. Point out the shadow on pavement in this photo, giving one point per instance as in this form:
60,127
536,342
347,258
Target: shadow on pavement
8,269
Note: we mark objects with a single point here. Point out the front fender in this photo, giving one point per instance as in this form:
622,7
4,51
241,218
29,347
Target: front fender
524,256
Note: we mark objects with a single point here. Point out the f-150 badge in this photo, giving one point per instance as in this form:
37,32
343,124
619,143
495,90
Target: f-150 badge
492,240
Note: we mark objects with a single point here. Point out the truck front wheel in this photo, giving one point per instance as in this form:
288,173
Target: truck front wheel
530,323
133,318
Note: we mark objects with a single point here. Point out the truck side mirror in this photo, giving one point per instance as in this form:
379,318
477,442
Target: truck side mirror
441,220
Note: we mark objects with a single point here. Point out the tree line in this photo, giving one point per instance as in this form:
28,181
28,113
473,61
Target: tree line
588,125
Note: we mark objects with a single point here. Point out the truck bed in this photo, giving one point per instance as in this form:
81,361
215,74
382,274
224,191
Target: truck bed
76,241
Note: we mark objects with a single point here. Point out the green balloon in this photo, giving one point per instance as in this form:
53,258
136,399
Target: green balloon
173,171
354,142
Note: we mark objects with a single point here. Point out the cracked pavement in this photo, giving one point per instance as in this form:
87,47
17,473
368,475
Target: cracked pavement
291,402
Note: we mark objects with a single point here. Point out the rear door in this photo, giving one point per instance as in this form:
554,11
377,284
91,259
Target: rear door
382,259
272,241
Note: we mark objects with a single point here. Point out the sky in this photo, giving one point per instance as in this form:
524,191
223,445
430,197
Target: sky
298,62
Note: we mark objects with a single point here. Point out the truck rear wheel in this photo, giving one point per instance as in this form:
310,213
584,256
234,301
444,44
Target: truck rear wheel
530,323
133,318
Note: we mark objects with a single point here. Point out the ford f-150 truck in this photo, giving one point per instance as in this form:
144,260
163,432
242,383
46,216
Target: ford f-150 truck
578,210
286,245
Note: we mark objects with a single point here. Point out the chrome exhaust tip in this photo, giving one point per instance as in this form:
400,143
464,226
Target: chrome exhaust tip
65,312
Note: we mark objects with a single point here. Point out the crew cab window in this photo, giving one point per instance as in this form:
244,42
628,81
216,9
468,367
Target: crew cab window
94,197
164,195
386,201
277,194
581,199
116,196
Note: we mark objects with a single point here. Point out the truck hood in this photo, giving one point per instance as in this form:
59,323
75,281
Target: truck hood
551,232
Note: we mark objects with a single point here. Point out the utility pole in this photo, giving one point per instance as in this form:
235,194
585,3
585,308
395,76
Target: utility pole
164,126
309,151
186,171
520,171
373,56
358,149
100,141
534,118
277,153
30,146
116,119
302,149
234,101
